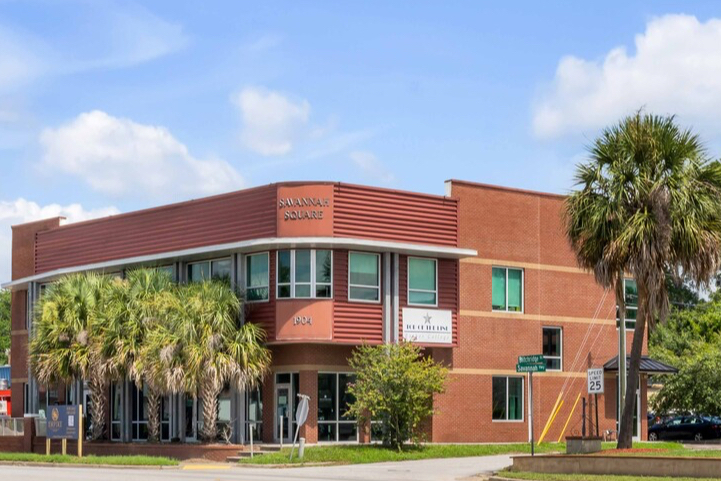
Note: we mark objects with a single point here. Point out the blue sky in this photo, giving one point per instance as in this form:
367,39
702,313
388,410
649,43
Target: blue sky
112,106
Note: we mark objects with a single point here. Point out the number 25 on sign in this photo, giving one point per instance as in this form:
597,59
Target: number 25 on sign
595,381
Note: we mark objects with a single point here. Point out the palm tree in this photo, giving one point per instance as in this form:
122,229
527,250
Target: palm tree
62,348
205,347
647,204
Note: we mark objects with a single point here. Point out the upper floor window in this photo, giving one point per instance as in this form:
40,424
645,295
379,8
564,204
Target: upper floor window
422,281
507,398
364,280
256,277
305,274
631,299
507,289
218,269
553,348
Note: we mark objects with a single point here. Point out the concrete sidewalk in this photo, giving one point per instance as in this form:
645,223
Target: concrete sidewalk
450,469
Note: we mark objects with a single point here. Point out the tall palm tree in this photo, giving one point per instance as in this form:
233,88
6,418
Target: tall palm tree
648,203
62,348
205,347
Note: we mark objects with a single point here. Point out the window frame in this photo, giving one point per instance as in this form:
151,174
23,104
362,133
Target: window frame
523,399
378,287
246,273
633,308
339,419
210,267
408,282
313,276
560,348
523,289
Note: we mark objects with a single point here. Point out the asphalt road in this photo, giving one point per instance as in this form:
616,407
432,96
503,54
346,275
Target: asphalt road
425,470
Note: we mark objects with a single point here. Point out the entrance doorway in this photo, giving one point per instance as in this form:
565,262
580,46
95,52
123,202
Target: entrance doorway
191,414
636,410
286,388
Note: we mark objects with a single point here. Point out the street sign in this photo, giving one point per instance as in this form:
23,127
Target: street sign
534,367
595,381
531,359
301,414
63,422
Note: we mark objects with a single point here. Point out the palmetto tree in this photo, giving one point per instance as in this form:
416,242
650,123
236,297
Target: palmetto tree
648,203
204,347
62,348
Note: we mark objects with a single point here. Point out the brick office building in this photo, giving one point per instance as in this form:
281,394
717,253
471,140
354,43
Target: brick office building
478,277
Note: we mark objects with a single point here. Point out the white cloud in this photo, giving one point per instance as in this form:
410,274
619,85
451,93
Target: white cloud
675,69
272,123
118,156
21,210
371,167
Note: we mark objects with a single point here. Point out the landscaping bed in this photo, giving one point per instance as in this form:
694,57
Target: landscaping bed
588,477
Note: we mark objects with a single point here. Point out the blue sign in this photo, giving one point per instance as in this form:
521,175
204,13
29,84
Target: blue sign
62,422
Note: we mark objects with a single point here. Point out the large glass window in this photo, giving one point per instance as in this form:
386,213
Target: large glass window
507,289
631,291
254,418
305,273
116,406
364,280
333,402
553,348
256,277
422,281
218,269
507,398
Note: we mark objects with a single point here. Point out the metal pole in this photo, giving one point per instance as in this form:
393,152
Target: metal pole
583,426
596,403
622,353
81,433
530,403
252,426
281,431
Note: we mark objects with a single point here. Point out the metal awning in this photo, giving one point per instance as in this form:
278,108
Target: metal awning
648,366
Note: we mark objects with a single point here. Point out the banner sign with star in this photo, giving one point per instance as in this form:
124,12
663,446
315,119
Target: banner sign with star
427,326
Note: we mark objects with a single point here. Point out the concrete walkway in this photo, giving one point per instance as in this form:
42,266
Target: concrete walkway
425,470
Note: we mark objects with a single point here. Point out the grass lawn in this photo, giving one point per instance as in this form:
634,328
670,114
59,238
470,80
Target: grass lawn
357,454
592,477
114,460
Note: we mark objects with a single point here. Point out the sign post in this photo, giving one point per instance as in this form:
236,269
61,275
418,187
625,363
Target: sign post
530,364
301,415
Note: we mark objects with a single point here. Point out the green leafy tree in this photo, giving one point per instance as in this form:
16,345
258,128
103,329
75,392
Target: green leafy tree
647,205
4,325
395,385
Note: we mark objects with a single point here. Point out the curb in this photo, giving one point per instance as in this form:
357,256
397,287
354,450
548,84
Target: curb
286,466
80,465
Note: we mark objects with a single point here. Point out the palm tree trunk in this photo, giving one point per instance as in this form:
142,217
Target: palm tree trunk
98,400
625,435
153,416
209,392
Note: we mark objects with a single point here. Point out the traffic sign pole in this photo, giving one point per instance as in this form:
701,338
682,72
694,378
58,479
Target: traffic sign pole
530,416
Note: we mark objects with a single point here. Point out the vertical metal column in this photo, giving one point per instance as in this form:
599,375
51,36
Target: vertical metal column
387,299
396,300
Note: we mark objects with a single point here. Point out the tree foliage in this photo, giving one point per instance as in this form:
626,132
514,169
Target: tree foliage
691,341
395,385
647,205
4,325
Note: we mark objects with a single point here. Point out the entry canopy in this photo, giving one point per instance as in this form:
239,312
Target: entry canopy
648,366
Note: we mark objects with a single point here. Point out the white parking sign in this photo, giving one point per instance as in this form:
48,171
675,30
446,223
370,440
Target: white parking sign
595,381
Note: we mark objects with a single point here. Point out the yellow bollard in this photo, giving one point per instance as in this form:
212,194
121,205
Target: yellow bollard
81,433
550,422
563,431
555,406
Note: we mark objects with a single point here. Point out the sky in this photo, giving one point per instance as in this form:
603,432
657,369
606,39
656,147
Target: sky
109,106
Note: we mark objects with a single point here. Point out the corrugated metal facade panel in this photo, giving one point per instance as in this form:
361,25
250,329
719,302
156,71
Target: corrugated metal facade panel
448,293
263,313
353,322
236,216
372,213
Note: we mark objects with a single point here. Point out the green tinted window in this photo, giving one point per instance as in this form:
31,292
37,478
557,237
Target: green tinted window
422,281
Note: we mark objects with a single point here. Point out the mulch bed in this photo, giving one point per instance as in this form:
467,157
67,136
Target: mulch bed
633,450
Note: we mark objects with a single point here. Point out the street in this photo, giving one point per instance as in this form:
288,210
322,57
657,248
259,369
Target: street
424,470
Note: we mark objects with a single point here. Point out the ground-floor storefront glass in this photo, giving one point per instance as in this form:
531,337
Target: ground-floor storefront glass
333,402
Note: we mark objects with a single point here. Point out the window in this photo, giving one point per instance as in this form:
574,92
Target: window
507,289
364,280
116,406
333,402
254,416
553,348
256,277
631,290
507,398
422,281
305,274
218,269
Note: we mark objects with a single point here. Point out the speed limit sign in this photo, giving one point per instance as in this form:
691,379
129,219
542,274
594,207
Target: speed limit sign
595,381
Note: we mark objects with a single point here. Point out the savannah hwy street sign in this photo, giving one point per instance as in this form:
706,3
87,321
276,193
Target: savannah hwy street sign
535,367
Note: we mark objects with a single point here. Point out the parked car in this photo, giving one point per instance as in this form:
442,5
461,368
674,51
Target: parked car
686,427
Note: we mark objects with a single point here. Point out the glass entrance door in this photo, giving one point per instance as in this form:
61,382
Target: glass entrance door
190,417
283,408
